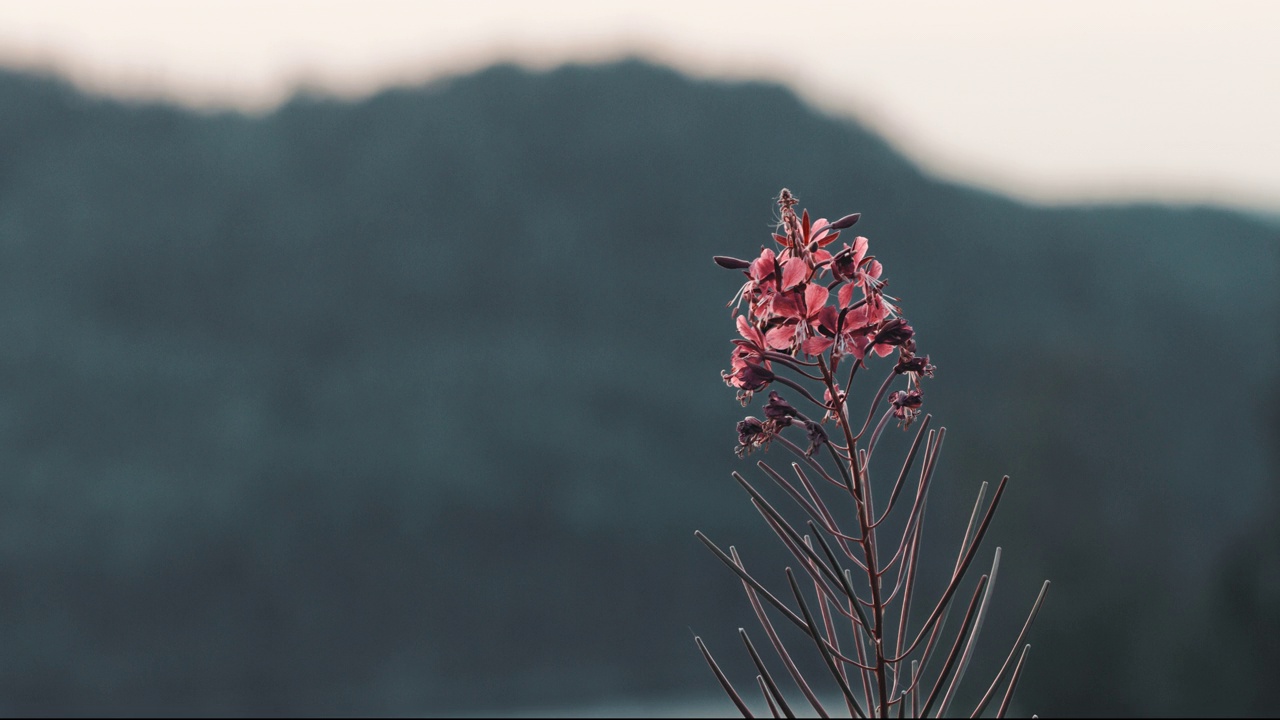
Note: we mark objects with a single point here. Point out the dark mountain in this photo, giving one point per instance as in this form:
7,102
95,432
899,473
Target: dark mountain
412,404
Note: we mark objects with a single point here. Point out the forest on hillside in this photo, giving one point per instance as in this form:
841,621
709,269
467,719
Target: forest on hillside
412,404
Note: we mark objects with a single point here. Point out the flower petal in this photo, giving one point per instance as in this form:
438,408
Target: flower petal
828,317
794,272
822,232
763,266
860,245
845,295
874,268
748,332
815,296
781,337
789,305
817,345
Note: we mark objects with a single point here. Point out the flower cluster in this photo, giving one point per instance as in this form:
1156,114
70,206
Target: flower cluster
805,300
754,433
808,307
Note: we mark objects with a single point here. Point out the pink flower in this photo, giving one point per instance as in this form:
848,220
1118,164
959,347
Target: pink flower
801,234
764,275
906,405
849,331
801,308
820,232
749,371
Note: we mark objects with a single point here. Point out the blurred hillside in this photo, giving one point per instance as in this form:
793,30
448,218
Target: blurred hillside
412,404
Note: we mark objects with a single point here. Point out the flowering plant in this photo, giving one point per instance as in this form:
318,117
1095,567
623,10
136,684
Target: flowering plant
813,318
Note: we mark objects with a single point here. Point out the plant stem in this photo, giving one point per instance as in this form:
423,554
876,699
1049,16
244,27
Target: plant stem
866,518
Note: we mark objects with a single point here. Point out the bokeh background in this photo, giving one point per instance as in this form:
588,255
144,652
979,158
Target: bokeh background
364,358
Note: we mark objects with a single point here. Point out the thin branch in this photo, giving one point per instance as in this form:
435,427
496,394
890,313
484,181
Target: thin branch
773,709
1013,683
791,363
960,570
952,656
854,707
830,525
778,646
875,404
1026,627
766,679
906,467
977,505
831,632
799,388
786,612
875,434
724,681
973,638
784,529
865,674
799,555
783,357
852,371
814,504
809,461
916,516
915,695
845,580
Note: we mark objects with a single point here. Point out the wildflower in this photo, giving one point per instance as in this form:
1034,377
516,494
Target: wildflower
801,309
764,275
794,271
778,410
895,332
914,365
752,434
764,268
906,405
847,332
819,234
844,264
748,377
866,275
793,308
749,370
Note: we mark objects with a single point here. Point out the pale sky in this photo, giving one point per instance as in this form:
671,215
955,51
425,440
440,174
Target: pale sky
1111,99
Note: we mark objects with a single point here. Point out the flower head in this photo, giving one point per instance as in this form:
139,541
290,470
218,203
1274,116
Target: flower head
779,410
906,405
752,434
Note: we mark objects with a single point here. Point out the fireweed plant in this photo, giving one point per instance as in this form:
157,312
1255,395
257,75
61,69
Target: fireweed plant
810,317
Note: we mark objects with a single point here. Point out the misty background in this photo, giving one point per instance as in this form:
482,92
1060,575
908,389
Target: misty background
411,404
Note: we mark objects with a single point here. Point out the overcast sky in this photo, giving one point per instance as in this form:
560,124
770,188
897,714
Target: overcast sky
1109,99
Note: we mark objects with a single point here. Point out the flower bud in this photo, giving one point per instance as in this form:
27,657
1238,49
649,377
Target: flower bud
914,364
894,332
750,432
846,222
844,264
730,263
777,408
754,377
